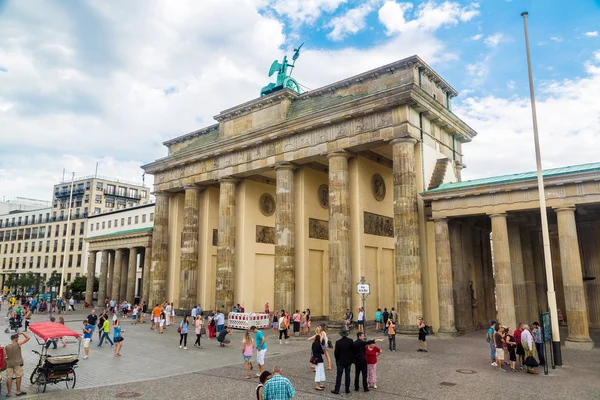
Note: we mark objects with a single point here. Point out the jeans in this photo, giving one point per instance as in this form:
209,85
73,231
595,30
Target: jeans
539,347
392,339
220,328
360,368
183,339
50,342
105,336
342,369
198,340
492,350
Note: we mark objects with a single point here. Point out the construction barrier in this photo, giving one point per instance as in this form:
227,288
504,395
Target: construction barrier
246,320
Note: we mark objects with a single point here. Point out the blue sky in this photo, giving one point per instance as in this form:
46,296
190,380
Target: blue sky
109,81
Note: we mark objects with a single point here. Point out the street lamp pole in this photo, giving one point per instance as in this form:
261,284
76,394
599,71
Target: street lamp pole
67,242
545,234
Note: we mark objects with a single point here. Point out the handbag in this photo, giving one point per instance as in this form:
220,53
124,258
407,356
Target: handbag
202,331
531,362
313,360
179,330
329,344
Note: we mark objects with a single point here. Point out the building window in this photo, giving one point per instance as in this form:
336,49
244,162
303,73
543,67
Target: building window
110,189
81,228
46,262
99,185
128,220
53,261
33,247
18,247
47,246
79,260
92,227
116,222
70,260
137,219
39,261
56,230
24,247
97,210
64,243
72,245
133,193
97,225
55,245
143,218
98,198
69,277
122,191
80,246
144,194
151,217
110,203
109,224
122,221
103,225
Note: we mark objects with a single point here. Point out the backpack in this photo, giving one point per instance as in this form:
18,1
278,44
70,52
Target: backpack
212,322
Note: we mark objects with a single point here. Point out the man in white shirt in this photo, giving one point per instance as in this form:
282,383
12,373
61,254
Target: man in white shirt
71,304
528,346
220,321
194,313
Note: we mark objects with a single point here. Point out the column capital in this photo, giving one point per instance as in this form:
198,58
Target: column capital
284,166
440,219
161,194
196,188
339,153
228,179
569,208
498,215
404,140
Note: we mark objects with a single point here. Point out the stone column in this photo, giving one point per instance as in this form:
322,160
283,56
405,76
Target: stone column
224,291
467,274
488,277
188,275
285,248
480,317
529,271
146,275
558,274
160,253
518,275
91,273
590,246
102,293
458,276
409,289
540,270
444,277
575,300
505,296
111,274
340,266
131,275
124,273
116,276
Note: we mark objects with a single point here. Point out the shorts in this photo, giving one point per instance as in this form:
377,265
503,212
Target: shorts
247,358
16,372
275,325
296,326
361,322
156,320
422,337
86,343
133,316
520,349
499,354
260,356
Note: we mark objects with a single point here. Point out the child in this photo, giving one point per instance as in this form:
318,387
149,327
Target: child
118,339
163,321
221,338
371,354
247,351
391,330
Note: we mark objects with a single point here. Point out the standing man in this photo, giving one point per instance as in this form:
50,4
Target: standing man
539,342
360,361
220,321
72,304
422,335
520,350
261,349
344,357
87,338
92,319
155,317
385,316
194,312
105,333
14,361
278,387
490,340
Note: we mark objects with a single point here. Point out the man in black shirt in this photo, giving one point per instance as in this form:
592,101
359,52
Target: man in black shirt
360,362
344,357
92,319
221,338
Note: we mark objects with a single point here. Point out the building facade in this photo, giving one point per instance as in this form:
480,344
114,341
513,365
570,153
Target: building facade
37,241
22,204
292,198
119,245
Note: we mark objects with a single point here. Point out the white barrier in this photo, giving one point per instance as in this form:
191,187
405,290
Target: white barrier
246,320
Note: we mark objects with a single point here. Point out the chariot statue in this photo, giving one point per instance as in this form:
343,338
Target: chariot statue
284,78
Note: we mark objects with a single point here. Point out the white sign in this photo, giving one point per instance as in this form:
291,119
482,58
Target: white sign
363,288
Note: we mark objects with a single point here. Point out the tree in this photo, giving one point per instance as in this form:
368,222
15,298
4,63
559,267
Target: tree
54,280
79,284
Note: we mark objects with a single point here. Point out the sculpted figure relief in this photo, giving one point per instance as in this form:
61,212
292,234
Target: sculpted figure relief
267,204
378,185
323,193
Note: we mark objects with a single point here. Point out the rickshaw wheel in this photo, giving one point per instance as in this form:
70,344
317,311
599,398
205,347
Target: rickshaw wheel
71,380
33,374
6,330
41,383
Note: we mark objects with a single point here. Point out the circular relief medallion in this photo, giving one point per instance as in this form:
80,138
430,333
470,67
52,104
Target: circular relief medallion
323,194
378,185
267,204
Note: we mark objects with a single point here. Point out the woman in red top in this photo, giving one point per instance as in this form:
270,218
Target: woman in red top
371,354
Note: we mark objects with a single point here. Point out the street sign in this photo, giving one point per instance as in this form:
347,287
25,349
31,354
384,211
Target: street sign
363,288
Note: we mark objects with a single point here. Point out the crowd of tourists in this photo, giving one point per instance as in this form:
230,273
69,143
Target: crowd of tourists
516,348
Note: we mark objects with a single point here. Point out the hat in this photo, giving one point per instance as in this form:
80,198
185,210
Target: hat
493,322
344,332
14,336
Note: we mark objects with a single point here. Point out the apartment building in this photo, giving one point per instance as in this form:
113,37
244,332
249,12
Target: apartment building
38,240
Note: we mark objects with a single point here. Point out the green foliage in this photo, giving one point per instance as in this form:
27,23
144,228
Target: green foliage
23,281
54,280
79,284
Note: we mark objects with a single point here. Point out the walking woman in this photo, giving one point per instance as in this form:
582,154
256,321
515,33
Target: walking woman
183,332
275,324
212,325
317,359
391,330
172,314
199,323
361,320
325,345
247,351
283,329
118,338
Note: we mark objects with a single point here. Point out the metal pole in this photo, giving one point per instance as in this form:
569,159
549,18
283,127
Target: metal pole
545,235
67,239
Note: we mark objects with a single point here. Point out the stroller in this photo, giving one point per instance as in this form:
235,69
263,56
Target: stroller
14,323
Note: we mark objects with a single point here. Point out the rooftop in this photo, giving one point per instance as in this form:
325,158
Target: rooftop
523,176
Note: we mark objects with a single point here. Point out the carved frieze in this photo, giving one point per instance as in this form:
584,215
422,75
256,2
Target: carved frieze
318,229
378,225
378,187
323,193
265,234
267,204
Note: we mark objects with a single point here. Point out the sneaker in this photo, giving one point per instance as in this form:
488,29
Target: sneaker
494,364
501,370
185,348
420,350
424,351
180,347
85,357
394,351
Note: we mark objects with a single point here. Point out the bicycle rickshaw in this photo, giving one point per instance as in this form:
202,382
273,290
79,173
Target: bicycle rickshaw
54,368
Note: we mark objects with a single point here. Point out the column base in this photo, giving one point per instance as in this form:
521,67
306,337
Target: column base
407,330
446,333
579,344
467,330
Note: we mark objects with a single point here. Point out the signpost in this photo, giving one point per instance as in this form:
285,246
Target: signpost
547,337
364,289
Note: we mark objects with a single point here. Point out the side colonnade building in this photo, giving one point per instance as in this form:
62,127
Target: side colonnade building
291,198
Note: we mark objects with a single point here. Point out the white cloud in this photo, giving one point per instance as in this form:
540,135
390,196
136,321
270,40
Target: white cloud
556,39
351,22
479,71
510,84
494,40
477,37
597,55
505,141
305,11
591,34
430,16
